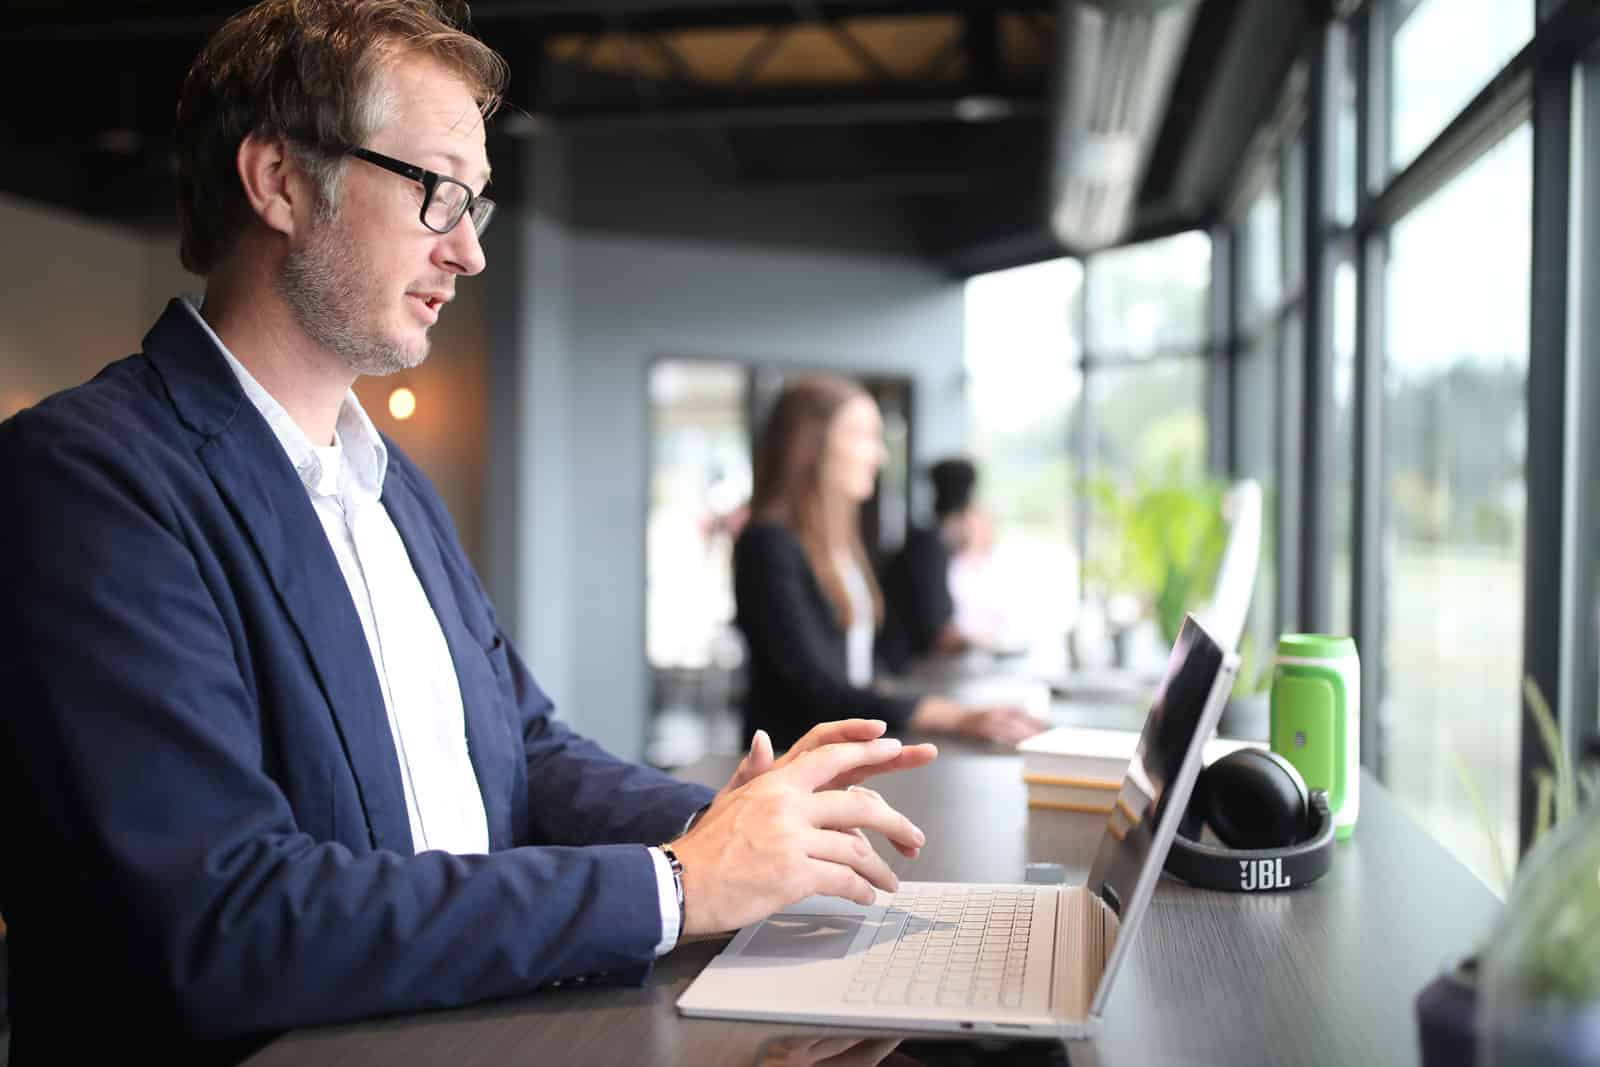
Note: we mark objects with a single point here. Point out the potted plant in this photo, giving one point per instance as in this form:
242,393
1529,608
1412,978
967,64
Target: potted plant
1158,541
1531,994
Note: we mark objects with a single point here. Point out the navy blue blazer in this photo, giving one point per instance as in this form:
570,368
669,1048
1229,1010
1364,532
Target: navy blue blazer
203,832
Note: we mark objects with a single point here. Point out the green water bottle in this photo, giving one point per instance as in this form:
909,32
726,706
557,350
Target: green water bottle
1316,718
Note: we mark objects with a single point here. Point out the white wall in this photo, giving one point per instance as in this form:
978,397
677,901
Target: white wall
79,295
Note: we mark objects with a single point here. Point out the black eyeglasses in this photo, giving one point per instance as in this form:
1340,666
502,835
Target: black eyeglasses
444,199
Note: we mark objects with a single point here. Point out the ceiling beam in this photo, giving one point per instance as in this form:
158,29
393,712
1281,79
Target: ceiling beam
73,21
707,111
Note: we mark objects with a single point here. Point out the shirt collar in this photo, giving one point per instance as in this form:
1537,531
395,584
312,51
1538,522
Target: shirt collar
357,447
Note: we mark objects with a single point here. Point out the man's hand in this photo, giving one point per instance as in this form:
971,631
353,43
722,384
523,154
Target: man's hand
786,835
759,760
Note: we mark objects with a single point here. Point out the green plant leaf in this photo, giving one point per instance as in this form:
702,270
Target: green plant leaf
1545,786
1565,785
1485,823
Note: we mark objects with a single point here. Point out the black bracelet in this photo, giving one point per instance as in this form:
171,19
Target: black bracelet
677,880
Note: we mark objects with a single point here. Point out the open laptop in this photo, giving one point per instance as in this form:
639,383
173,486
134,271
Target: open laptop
1000,958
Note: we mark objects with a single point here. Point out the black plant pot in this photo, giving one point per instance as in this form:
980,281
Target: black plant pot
1447,1014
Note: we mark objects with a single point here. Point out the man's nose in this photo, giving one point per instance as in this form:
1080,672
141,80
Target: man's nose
461,252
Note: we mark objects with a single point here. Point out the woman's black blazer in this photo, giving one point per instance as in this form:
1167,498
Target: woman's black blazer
798,658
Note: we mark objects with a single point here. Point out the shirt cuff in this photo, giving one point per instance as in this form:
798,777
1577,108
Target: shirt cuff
667,894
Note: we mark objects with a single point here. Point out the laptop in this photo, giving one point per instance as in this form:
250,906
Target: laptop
1007,959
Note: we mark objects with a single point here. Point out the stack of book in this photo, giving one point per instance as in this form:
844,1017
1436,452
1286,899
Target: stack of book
1074,768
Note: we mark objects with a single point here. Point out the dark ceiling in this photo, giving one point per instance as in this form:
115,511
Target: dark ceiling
937,108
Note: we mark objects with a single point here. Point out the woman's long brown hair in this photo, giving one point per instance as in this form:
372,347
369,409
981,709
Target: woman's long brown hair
788,484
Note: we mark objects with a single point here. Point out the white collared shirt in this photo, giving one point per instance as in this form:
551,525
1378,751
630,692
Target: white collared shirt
416,675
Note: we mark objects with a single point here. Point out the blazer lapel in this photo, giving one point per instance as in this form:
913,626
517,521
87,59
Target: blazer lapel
278,517
254,476
480,702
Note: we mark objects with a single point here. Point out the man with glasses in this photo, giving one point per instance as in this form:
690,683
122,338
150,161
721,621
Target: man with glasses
267,759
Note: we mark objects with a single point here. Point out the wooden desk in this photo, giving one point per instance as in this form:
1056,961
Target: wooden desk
1325,975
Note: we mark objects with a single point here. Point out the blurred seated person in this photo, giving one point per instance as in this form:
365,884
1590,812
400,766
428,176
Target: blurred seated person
807,601
919,611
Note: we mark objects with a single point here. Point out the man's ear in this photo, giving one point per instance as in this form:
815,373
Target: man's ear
277,190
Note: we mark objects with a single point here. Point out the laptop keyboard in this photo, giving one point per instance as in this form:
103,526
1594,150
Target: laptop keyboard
958,945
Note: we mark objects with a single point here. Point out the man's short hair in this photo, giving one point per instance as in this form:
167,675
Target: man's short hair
953,482
309,72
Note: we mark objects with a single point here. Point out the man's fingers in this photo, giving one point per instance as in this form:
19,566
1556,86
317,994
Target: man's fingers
839,810
814,769
911,757
759,761
853,852
833,733
837,880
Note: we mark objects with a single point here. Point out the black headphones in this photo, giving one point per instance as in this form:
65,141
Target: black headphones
1279,834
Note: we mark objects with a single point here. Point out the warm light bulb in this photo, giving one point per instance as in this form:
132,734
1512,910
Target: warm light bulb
402,403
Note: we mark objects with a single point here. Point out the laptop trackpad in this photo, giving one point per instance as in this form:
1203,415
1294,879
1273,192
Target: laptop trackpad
803,937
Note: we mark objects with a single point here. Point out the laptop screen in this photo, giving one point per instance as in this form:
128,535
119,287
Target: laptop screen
1156,788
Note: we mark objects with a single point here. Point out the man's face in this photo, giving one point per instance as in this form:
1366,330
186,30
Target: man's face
368,279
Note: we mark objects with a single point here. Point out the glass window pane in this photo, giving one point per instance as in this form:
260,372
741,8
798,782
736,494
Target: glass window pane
1256,407
1455,375
1149,431
1346,165
1149,296
1341,468
1442,53
1294,212
1024,391
1284,514
1262,270
1149,420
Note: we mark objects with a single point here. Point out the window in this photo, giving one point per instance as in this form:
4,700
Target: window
1262,276
1442,52
1149,420
1149,297
1024,393
1049,414
1455,378
1256,406
1268,383
1341,481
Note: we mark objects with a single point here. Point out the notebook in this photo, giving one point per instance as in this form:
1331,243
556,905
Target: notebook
1076,768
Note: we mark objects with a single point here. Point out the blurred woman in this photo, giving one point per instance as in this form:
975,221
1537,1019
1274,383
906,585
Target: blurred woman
807,601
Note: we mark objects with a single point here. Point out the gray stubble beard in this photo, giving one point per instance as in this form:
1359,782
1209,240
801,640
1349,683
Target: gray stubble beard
321,283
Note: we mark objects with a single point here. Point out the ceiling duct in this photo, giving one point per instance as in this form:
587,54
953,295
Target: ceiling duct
1117,61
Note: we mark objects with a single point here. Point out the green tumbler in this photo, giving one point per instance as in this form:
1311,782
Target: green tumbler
1316,718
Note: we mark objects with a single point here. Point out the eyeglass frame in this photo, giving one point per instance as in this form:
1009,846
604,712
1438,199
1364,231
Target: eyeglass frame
430,182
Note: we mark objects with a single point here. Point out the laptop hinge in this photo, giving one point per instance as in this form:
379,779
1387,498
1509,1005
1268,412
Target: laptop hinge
1086,932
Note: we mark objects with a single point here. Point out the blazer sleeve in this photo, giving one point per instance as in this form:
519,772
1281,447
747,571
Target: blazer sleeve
581,794
131,740
781,616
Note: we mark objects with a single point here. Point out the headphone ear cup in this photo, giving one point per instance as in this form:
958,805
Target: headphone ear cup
1255,799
